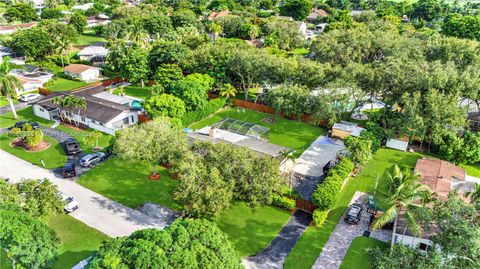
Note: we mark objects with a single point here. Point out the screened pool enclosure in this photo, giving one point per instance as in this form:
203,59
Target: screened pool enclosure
243,128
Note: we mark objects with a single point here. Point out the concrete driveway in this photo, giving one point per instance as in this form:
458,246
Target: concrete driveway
97,211
18,106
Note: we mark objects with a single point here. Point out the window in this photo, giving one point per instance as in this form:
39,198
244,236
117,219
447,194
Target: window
125,120
102,124
132,119
423,246
94,121
83,119
42,110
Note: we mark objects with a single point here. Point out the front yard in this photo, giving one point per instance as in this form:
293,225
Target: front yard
136,91
288,133
356,256
81,137
312,241
251,229
26,114
53,157
127,183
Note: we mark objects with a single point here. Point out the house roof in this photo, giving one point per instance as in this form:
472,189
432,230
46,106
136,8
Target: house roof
98,109
317,12
26,81
78,68
285,18
16,26
97,49
219,14
439,176
348,127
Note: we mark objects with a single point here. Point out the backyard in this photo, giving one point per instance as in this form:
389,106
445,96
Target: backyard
251,229
136,91
88,38
288,133
356,256
312,241
127,183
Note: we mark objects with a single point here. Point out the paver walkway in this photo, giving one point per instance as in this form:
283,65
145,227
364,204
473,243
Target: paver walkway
341,238
275,254
95,210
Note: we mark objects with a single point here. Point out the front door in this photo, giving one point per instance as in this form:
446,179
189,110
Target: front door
55,114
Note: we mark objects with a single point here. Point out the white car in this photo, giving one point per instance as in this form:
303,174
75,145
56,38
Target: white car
30,97
70,204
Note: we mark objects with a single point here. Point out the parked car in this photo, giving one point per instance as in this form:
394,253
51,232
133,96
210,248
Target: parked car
69,170
29,97
91,159
70,203
354,214
20,125
71,146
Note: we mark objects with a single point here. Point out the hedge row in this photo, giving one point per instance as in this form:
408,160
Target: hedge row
319,216
211,107
326,194
283,202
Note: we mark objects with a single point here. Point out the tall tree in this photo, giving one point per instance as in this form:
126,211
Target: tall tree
297,9
9,84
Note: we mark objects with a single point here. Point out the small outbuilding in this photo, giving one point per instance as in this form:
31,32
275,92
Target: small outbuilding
397,144
82,72
345,129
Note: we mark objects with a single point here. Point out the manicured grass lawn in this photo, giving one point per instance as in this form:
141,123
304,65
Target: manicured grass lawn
5,263
26,114
81,137
127,183
251,229
53,157
312,241
4,101
78,241
85,40
62,84
136,91
472,169
288,133
356,256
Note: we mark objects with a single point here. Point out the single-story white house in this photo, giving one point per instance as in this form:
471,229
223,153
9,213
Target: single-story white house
97,20
105,112
83,7
95,53
29,85
82,72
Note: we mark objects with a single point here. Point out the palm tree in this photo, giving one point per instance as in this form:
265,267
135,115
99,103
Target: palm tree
404,194
80,104
61,46
137,34
65,102
9,84
215,29
228,91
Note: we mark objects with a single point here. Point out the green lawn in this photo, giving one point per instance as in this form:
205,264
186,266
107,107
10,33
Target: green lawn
85,40
63,84
4,101
53,157
356,256
78,241
127,183
312,241
472,169
80,136
288,133
26,114
251,229
5,263
135,91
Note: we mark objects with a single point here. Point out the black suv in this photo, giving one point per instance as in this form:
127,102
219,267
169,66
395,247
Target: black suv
354,214
20,125
69,170
71,146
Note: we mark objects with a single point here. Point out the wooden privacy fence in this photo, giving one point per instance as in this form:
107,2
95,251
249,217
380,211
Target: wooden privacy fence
305,205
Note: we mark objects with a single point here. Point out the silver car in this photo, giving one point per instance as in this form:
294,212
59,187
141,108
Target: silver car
30,97
91,159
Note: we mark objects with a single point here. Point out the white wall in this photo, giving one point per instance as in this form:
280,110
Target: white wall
411,241
90,74
41,112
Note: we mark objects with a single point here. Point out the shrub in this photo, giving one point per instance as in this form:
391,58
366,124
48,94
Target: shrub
319,216
283,202
326,194
211,107
164,105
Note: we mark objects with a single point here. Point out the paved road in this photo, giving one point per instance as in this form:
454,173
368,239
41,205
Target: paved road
18,106
96,211
275,254
337,245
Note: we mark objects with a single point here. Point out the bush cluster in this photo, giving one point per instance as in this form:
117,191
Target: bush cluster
283,202
211,107
326,194
319,216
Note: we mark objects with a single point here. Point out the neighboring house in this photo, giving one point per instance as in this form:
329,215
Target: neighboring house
83,7
31,77
95,53
215,15
397,144
302,27
82,72
38,4
6,52
284,18
439,177
105,112
97,20
29,84
344,129
316,14
10,29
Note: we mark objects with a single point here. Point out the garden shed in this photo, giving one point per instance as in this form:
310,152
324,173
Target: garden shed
397,144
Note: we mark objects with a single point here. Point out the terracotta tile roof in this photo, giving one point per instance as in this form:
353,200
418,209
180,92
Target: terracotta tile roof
316,13
438,175
215,14
25,81
13,27
77,68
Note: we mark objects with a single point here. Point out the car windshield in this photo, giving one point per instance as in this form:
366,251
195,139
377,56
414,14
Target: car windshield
354,211
69,200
